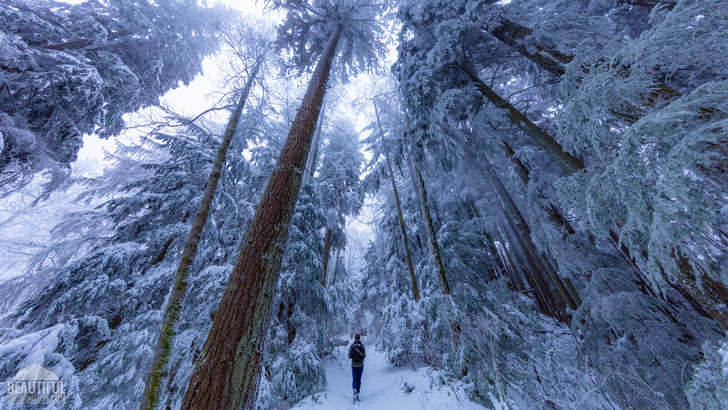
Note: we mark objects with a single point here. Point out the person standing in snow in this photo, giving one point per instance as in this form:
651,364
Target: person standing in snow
357,353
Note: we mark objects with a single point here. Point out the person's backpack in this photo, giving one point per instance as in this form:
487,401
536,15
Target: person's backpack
357,354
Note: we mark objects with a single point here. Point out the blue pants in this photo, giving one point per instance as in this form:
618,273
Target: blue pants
356,375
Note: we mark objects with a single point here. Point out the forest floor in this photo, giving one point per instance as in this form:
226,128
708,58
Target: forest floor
383,386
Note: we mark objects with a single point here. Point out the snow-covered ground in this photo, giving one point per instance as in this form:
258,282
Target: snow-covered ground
383,386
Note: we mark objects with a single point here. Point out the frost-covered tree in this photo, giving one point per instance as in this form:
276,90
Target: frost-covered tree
708,388
199,306
387,303
97,319
638,343
26,239
302,332
644,185
70,70
463,84
257,48
294,358
397,263
228,374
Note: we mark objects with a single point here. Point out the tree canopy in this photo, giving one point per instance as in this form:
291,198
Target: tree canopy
544,183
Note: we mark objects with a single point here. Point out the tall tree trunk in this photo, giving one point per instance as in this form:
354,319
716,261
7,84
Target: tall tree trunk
520,227
553,213
509,270
158,369
421,192
327,249
336,266
227,374
499,259
568,163
556,280
313,156
523,232
510,273
433,247
542,293
546,56
396,244
544,299
432,244
518,166
415,288
712,296
535,269
574,293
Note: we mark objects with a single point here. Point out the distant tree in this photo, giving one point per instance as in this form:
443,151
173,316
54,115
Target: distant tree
338,185
400,216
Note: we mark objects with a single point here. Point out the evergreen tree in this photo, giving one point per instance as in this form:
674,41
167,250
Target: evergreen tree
441,42
96,321
70,70
228,374
338,186
174,301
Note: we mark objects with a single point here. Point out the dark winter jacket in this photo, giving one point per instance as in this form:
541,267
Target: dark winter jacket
360,347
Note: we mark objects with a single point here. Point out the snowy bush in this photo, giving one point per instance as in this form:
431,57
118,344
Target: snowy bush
513,356
644,348
404,330
709,387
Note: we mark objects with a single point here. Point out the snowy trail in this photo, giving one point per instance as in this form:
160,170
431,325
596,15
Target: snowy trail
383,387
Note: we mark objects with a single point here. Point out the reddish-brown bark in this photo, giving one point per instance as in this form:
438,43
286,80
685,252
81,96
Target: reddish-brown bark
547,57
227,373
544,297
158,368
313,156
